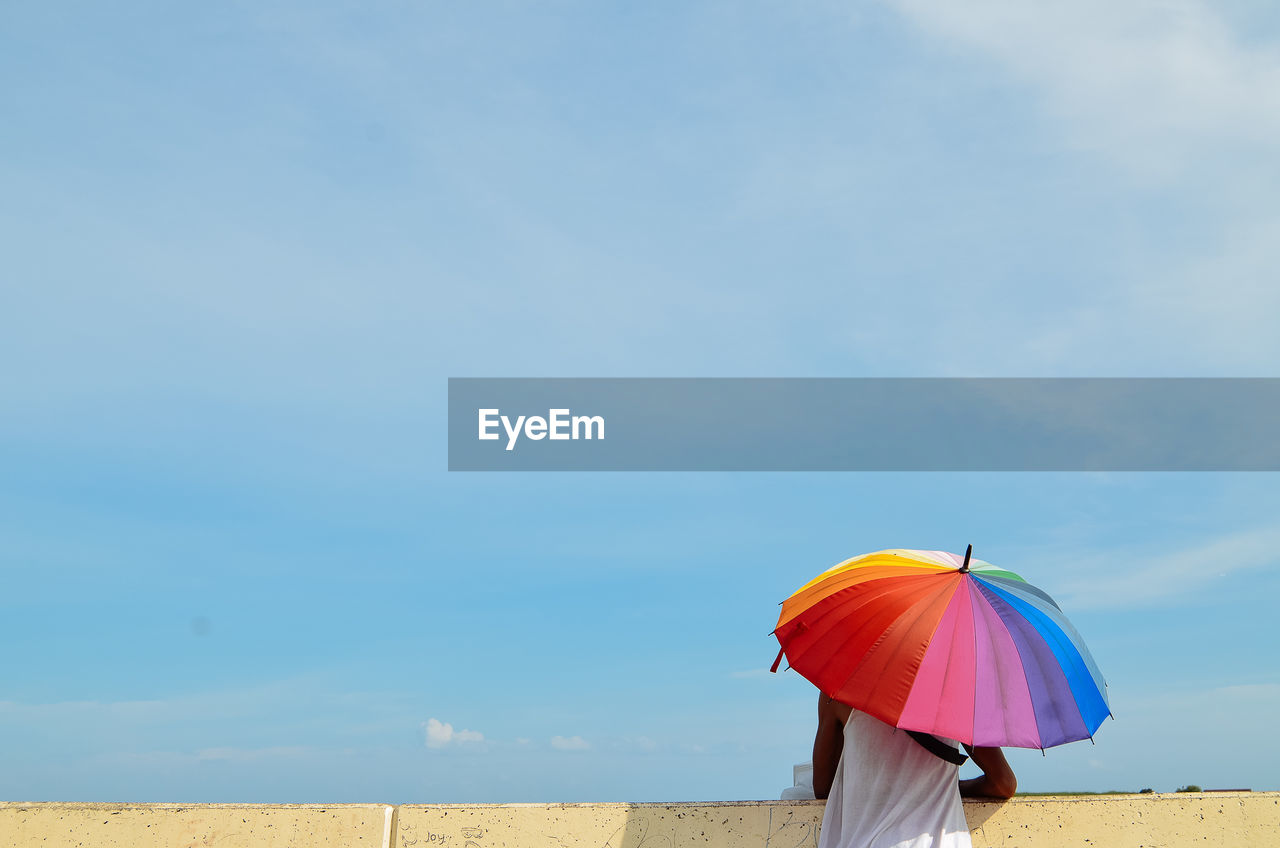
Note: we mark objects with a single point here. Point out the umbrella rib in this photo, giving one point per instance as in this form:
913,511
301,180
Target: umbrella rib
973,615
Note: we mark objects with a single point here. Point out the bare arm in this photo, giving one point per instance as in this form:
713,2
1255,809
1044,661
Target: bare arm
997,780
828,742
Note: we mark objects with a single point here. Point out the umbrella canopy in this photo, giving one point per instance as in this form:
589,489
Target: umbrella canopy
949,645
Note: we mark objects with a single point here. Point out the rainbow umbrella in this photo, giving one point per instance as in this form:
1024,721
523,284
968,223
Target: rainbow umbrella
924,640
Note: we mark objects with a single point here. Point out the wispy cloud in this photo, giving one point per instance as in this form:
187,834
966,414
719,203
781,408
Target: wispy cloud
249,755
241,703
569,743
1148,578
1147,82
640,743
440,734
1181,99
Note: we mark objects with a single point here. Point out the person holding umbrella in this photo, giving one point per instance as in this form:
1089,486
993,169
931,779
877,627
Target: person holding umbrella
918,652
886,788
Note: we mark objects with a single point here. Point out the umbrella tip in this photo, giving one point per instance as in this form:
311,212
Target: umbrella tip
964,569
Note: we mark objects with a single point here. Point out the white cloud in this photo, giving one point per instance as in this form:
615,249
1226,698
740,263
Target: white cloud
571,743
1122,579
1146,81
440,733
641,743
1174,94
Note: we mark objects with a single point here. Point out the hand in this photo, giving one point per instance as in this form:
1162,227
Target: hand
997,780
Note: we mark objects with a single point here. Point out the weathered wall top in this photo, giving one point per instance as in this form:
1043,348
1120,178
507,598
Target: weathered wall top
1205,820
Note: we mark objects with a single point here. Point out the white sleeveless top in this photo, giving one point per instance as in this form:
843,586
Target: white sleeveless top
889,792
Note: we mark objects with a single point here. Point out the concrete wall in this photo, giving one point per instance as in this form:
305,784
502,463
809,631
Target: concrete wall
191,825
1109,821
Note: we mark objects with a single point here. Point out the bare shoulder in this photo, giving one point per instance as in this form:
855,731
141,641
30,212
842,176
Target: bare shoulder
831,708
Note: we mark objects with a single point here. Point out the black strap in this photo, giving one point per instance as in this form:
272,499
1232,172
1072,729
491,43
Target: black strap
938,748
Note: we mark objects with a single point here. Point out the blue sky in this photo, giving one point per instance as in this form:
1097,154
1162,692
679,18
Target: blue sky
245,245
